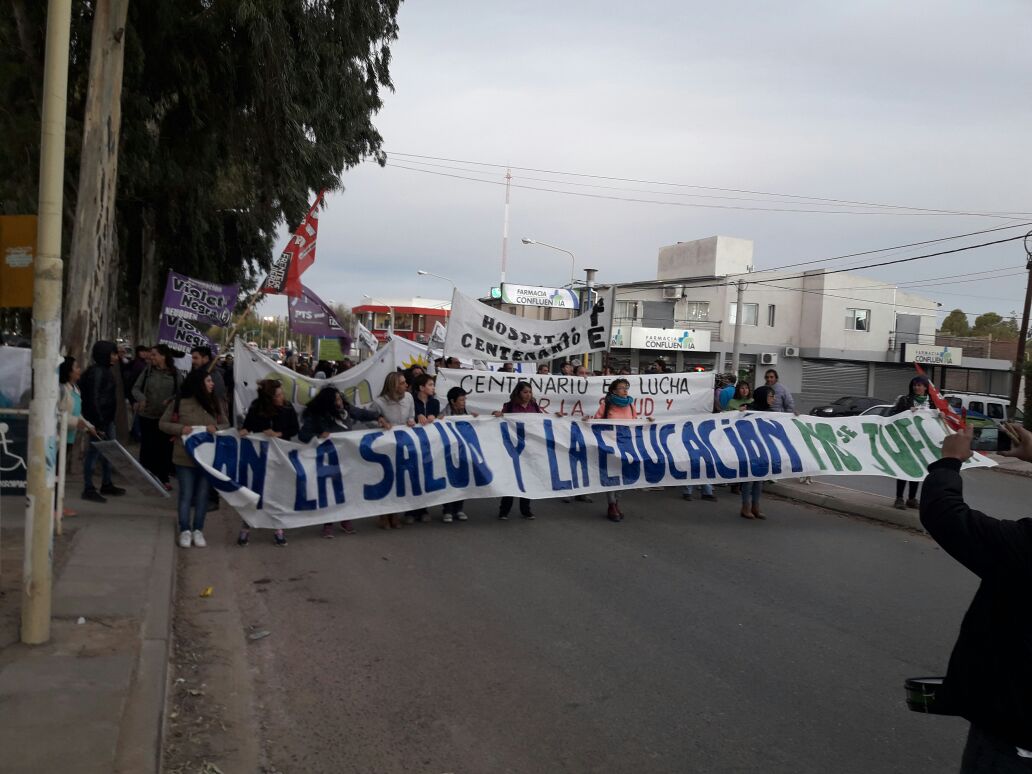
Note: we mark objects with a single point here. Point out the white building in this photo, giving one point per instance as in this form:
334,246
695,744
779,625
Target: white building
828,334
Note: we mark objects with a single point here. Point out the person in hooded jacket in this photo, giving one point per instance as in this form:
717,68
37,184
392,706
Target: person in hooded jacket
329,413
99,408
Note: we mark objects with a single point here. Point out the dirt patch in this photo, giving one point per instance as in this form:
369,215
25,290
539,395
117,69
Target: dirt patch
12,554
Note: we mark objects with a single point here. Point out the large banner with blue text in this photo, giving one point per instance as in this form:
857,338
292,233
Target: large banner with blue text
273,483
655,395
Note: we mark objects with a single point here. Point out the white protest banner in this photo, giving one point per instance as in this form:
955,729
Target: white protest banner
366,338
656,395
15,377
481,332
274,483
408,353
359,384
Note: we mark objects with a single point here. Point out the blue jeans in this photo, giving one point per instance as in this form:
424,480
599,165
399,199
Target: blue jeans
91,459
193,493
707,489
751,491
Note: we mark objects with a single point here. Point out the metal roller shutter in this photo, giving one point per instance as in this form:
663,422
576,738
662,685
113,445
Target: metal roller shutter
828,380
892,381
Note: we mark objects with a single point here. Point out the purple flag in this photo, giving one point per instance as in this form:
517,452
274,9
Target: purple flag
180,335
311,317
199,301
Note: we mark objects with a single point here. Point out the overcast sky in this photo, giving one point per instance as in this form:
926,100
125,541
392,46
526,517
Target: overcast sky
922,104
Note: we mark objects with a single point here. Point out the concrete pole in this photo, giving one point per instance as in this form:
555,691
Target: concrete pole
46,333
505,225
589,277
736,350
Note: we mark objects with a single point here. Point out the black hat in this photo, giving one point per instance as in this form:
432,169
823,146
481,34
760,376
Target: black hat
455,393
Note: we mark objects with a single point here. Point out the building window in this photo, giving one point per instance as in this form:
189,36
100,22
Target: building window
381,321
696,310
770,315
858,319
750,314
626,310
403,322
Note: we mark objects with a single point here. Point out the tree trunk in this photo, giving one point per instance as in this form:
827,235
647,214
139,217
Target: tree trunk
93,256
147,307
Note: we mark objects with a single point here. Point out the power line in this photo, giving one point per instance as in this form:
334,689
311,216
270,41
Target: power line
705,188
583,194
688,280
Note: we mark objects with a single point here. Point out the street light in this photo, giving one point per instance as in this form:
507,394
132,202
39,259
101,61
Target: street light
573,260
424,273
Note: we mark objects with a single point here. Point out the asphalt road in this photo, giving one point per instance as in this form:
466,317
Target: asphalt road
1003,495
685,639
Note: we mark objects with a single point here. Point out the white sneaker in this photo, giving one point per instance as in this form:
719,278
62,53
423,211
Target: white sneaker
461,516
184,538
447,518
198,539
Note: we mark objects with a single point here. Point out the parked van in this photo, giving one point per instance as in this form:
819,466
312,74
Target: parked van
982,408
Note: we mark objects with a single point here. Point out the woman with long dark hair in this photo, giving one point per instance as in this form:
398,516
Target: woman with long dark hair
270,415
195,407
617,404
329,413
916,399
521,401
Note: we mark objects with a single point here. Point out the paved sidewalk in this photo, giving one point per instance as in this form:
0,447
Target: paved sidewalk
93,698
849,501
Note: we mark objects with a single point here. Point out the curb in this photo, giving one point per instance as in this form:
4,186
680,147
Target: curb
907,519
142,734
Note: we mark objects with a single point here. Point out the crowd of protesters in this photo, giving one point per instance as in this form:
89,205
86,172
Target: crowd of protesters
145,394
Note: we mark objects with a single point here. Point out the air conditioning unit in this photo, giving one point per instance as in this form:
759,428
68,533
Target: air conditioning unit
791,351
673,292
768,358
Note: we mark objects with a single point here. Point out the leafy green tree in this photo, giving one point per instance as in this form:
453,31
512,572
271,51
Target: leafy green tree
992,324
233,113
956,324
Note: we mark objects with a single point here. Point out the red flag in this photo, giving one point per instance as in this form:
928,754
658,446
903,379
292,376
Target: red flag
953,419
297,256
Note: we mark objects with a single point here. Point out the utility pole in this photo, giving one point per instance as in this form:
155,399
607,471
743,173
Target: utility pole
505,225
736,350
589,276
1019,358
46,334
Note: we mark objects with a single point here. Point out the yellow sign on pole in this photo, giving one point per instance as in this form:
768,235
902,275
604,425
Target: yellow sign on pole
17,254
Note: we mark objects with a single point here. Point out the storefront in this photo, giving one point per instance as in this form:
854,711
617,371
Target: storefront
680,349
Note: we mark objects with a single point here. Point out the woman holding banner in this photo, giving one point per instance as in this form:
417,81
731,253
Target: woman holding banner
617,404
521,401
196,407
916,399
763,400
329,413
269,415
397,408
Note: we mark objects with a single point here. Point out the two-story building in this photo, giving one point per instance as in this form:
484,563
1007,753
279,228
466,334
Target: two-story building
413,318
827,332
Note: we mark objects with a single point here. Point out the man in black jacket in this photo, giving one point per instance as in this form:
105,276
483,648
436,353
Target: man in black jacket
99,407
989,679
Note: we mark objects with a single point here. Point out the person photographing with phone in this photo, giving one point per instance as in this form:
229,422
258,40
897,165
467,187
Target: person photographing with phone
989,678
